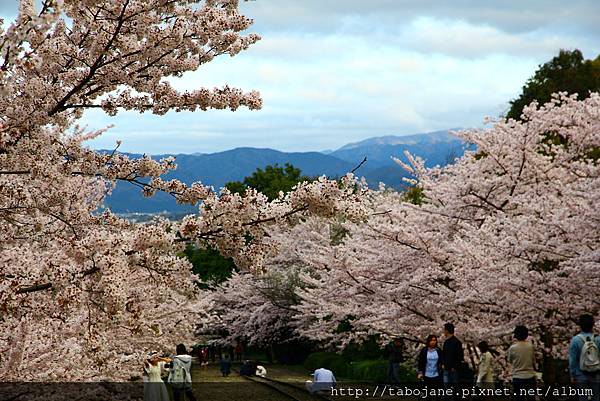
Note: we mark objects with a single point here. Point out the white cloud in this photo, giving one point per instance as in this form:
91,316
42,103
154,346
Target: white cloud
462,39
320,16
355,90
333,72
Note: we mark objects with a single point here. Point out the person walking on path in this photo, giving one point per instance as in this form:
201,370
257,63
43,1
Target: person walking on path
521,357
225,366
485,369
429,363
238,352
452,357
395,359
180,375
584,358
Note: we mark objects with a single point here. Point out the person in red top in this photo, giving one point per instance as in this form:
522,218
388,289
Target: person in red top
238,352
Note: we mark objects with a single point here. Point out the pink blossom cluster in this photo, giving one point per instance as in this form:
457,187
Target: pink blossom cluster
507,235
78,284
239,224
260,308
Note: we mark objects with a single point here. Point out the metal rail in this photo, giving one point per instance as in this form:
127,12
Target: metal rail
298,388
301,393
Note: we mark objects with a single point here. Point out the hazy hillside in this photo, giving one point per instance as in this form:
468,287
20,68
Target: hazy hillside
438,147
428,137
216,169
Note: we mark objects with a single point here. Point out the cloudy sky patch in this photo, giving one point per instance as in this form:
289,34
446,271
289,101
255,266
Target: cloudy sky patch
333,72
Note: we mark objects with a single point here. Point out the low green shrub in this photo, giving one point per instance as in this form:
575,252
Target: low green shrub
368,370
329,360
408,373
369,349
377,371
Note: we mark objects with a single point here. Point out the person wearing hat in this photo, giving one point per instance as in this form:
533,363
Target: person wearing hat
154,387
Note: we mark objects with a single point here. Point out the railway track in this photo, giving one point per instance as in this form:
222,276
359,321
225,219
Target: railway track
288,390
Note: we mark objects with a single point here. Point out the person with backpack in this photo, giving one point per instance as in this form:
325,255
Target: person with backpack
584,358
180,376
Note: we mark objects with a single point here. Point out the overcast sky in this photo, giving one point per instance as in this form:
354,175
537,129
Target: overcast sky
337,71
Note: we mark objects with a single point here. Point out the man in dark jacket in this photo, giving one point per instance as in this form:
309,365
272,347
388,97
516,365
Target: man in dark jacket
452,356
395,359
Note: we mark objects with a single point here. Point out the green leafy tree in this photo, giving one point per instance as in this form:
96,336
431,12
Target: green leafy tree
414,195
209,264
270,181
567,72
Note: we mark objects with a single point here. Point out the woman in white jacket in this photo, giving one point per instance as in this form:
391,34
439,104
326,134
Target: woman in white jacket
154,387
485,371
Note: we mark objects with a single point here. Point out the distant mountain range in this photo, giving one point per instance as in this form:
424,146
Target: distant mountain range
216,169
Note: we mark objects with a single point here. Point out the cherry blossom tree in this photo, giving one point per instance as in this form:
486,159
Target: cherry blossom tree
79,284
507,235
255,310
259,308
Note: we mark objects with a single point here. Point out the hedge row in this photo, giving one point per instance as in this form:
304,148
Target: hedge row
370,370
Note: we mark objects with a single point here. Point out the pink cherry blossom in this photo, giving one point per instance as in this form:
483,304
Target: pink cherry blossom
80,284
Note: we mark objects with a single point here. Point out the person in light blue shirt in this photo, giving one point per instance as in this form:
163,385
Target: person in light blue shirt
429,363
584,380
324,381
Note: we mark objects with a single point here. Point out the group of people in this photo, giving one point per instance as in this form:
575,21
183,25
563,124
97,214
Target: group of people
252,368
441,367
213,352
438,367
178,368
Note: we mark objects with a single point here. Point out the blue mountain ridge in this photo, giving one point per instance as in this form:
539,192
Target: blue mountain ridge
216,169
